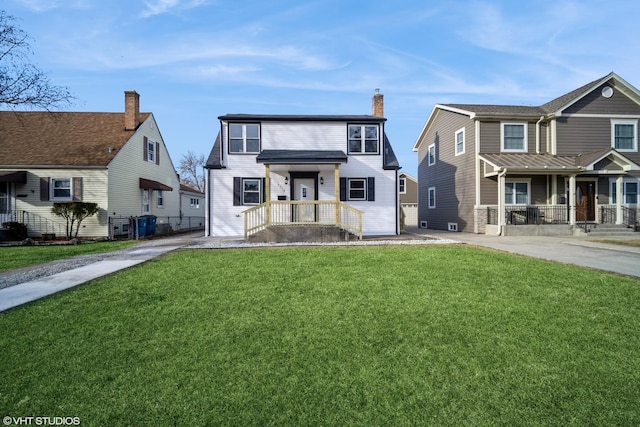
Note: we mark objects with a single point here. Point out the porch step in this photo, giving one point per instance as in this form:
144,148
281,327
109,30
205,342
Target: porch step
610,230
300,233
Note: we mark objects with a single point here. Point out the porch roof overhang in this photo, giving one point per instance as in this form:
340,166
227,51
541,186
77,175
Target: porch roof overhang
16,177
280,157
530,163
622,164
153,185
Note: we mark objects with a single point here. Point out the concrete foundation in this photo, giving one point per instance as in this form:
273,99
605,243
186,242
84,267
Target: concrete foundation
300,233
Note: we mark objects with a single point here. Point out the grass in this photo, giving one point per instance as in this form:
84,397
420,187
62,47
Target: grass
23,256
633,242
431,335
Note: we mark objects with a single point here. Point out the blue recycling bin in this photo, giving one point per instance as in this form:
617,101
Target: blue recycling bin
151,225
142,226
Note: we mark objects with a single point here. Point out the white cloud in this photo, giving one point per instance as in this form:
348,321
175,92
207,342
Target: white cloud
158,7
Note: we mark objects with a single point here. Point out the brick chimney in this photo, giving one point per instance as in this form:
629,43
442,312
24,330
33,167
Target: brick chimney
378,104
131,110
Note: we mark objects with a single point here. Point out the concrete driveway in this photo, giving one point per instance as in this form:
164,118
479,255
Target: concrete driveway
570,250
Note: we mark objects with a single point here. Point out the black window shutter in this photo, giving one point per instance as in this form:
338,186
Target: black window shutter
44,189
264,190
343,189
77,189
371,189
237,191
145,151
157,153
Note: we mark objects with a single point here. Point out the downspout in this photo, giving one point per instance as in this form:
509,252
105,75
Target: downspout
501,208
538,134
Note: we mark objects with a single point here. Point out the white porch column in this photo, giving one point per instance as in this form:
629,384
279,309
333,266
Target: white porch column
267,193
619,196
554,189
336,178
501,205
572,200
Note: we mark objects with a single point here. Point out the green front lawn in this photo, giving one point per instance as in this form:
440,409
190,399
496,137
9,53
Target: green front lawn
392,335
23,256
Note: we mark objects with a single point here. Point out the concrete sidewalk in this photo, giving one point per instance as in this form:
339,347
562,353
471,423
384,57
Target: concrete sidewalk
581,251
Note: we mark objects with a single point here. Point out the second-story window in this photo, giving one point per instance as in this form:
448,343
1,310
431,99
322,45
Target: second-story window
363,139
151,151
623,135
244,138
514,137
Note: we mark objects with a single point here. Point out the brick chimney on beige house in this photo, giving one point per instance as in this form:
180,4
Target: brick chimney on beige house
378,104
131,110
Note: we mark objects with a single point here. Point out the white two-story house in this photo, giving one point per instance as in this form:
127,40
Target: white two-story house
302,171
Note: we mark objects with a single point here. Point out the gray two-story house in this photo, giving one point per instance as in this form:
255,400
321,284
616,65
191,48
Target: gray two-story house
564,167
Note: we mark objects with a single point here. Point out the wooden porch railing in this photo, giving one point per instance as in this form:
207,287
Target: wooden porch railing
294,212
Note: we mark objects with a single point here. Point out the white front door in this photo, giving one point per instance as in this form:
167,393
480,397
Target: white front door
146,202
304,190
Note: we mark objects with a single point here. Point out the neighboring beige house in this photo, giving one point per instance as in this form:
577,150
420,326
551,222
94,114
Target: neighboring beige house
569,166
408,190
117,160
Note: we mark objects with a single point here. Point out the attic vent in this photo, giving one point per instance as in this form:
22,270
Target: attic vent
452,226
423,224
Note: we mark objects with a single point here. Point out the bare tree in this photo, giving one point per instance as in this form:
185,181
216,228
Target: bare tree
190,170
22,83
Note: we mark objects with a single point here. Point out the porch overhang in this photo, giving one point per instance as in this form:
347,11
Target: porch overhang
307,157
532,164
16,177
153,185
616,162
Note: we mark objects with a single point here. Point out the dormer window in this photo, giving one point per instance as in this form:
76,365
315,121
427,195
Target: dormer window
363,139
244,138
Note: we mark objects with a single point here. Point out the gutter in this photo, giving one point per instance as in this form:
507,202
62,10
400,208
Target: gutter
538,134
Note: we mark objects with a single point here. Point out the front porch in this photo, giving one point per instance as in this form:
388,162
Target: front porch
297,213
556,219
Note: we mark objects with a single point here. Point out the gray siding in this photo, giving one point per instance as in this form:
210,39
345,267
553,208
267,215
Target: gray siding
452,176
595,103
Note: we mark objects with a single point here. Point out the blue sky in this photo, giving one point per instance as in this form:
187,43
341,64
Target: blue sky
194,60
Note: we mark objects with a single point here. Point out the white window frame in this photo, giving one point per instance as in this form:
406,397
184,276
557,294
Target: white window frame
402,184
350,181
513,196
52,189
146,201
363,139
151,151
633,123
525,142
244,191
195,202
431,155
613,195
160,199
431,190
456,142
245,138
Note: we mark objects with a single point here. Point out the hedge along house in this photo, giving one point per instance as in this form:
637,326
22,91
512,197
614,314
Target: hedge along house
568,166
117,160
268,172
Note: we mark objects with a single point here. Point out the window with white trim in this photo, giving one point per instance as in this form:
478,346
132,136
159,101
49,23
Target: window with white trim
251,191
146,206
195,203
363,139
402,183
151,151
629,192
244,138
160,198
514,137
431,156
61,189
516,193
432,197
624,135
459,142
357,189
